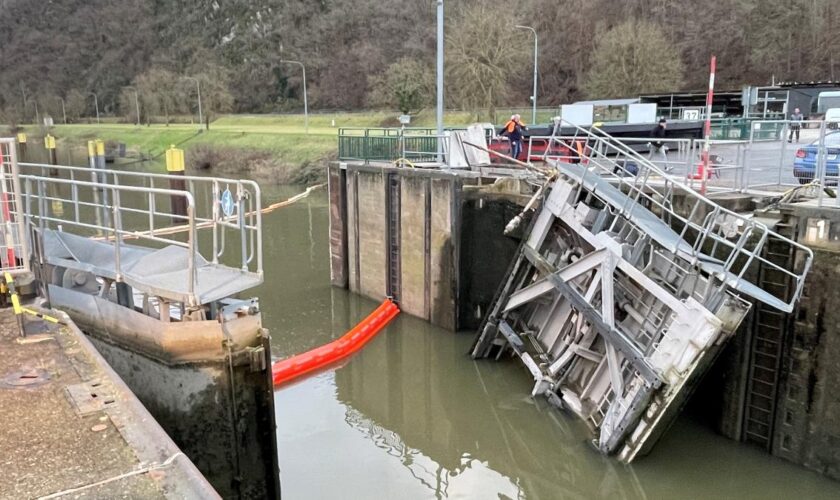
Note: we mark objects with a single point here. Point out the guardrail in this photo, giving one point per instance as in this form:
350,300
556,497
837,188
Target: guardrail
14,250
716,238
384,144
231,209
108,210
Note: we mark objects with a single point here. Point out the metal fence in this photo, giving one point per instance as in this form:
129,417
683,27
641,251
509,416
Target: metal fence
387,144
140,208
720,240
14,252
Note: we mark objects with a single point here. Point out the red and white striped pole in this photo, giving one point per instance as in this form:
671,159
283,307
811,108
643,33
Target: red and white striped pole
707,130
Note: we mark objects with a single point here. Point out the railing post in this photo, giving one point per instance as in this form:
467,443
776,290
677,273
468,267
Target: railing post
116,225
784,151
215,211
192,248
240,215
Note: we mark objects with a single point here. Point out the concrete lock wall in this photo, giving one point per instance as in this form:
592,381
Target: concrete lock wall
395,232
801,399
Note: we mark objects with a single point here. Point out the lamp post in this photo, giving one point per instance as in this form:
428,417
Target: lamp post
136,102
305,103
198,91
536,51
439,83
96,105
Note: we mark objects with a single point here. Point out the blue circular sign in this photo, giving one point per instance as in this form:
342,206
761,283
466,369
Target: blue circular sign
227,202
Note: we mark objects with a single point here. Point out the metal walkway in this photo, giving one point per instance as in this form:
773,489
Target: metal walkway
124,227
618,301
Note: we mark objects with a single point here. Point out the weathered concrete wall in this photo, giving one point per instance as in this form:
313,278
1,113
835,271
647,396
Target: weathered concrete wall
444,254
428,214
337,188
806,405
371,233
807,429
415,202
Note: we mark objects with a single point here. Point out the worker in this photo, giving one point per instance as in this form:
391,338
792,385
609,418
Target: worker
657,146
513,130
795,124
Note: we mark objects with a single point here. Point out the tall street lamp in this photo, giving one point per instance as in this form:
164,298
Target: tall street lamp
198,91
136,102
536,51
439,83
96,105
305,104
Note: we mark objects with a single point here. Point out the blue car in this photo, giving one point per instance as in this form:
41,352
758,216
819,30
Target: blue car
805,163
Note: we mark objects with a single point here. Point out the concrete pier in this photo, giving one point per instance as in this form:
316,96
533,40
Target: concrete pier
72,428
400,232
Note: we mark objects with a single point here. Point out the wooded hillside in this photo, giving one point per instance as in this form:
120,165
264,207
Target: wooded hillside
363,53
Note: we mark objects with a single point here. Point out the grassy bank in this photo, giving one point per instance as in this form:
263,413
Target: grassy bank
273,148
270,147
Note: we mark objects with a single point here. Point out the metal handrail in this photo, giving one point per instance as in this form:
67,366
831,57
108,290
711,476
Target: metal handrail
115,225
603,155
248,198
16,248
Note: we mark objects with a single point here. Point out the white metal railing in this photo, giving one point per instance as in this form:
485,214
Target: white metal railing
714,234
107,207
241,229
14,250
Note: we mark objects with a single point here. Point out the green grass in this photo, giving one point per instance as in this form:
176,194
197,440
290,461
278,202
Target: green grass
282,136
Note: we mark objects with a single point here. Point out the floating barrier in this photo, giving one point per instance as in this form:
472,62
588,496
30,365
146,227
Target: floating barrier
289,369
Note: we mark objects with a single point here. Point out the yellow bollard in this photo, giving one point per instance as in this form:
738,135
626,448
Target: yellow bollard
175,167
21,140
49,144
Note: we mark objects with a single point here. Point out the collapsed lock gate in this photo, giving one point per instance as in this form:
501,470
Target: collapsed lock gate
616,303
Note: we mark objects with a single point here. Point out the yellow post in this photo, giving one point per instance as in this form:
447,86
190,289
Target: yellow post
174,159
49,143
21,140
175,167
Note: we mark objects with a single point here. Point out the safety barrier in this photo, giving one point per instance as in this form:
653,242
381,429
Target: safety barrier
231,208
290,369
14,253
713,234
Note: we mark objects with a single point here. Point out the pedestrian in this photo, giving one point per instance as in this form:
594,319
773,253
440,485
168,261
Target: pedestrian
513,130
658,147
795,124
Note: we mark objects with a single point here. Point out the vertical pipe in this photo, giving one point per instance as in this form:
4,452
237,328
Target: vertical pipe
439,113
215,221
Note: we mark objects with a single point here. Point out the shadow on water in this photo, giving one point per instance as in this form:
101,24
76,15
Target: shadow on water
411,416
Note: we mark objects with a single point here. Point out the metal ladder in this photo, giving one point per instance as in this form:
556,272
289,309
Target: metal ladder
393,202
766,350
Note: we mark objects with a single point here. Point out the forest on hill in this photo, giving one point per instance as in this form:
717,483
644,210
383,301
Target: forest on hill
380,53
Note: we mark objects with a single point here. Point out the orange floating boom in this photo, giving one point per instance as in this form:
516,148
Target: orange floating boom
289,369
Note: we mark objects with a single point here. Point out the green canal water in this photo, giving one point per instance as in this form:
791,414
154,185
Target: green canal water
412,416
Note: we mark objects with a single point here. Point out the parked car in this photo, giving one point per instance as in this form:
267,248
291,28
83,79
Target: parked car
805,163
832,118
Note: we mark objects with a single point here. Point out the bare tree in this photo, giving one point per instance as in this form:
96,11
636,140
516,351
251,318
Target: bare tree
408,85
633,58
482,52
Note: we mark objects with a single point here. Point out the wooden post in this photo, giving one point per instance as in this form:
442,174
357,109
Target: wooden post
175,168
21,140
49,144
